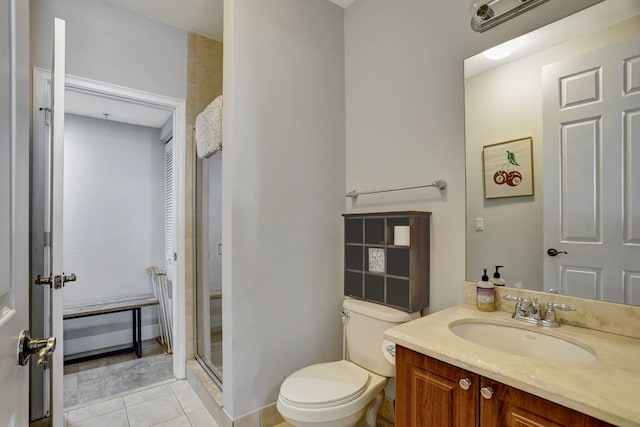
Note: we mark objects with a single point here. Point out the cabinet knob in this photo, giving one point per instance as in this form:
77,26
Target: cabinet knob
465,383
486,392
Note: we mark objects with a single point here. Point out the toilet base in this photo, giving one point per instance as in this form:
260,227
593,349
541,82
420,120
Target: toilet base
371,418
366,417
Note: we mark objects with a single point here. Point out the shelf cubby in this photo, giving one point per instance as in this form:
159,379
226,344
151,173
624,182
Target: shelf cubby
381,271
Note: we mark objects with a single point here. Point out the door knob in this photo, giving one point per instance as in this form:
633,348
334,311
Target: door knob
28,346
554,252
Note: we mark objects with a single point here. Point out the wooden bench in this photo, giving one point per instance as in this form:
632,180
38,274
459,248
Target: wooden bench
96,308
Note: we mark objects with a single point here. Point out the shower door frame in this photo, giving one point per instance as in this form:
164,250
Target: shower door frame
200,266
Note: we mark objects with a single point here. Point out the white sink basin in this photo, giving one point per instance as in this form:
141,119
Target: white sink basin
522,342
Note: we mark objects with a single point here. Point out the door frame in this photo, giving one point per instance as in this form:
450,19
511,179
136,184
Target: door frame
41,81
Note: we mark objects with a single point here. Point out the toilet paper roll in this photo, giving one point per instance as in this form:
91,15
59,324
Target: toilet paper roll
389,351
401,235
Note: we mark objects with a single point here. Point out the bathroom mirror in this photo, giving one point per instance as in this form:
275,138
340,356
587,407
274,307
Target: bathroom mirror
506,100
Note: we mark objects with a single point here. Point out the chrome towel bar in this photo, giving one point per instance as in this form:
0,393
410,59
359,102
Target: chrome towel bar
439,184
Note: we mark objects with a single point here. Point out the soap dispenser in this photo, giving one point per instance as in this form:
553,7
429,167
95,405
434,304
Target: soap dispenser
496,279
485,298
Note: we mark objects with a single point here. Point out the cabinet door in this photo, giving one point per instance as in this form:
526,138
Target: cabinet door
509,407
428,392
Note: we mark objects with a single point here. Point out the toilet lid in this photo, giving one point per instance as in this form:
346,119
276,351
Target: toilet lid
334,382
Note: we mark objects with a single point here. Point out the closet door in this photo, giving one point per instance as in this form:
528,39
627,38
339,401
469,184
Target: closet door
169,216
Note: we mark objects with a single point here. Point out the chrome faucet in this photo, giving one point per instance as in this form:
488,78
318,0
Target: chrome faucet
534,310
529,311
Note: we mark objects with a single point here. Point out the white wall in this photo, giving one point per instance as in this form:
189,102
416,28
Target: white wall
504,104
405,113
113,223
112,45
283,193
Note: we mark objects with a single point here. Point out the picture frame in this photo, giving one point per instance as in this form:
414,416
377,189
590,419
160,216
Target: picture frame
508,168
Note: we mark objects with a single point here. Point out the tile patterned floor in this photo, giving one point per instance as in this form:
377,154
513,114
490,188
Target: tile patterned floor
170,405
108,376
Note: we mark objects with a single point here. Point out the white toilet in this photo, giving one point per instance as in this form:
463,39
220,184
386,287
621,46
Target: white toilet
340,394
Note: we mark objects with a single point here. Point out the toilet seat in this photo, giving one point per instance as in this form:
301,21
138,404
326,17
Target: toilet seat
325,384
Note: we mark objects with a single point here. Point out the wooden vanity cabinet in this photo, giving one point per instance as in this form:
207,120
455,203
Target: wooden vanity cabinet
429,393
510,407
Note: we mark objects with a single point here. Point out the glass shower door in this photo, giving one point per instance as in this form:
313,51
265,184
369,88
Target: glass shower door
208,298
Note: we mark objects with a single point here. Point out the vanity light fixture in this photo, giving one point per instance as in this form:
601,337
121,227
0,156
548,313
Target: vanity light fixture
485,15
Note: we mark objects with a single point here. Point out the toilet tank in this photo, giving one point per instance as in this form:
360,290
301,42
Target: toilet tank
364,329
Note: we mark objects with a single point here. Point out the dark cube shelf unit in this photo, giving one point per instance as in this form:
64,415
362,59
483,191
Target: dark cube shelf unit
399,276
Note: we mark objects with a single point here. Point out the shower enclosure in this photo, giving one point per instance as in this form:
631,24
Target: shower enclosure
208,297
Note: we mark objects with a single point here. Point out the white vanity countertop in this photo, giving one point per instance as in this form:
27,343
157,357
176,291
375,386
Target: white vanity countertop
607,388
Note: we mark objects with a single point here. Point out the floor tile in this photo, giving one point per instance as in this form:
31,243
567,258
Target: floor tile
95,410
249,420
187,398
147,395
154,412
70,389
182,421
202,418
105,377
111,419
70,369
114,379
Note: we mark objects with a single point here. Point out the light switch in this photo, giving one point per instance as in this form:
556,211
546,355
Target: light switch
479,224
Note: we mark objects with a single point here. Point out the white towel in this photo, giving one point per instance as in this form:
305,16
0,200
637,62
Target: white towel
209,129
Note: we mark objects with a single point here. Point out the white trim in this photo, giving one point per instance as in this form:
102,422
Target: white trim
178,108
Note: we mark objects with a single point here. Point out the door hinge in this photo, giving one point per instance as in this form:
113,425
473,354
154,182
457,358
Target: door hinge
47,239
47,112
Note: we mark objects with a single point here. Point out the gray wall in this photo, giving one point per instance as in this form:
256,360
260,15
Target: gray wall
283,193
405,113
112,45
113,223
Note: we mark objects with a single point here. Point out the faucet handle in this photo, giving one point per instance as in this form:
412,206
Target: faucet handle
550,315
563,307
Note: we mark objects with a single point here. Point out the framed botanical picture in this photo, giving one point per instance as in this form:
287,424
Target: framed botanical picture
508,168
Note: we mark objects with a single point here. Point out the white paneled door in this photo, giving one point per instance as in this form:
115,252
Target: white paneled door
14,210
591,145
